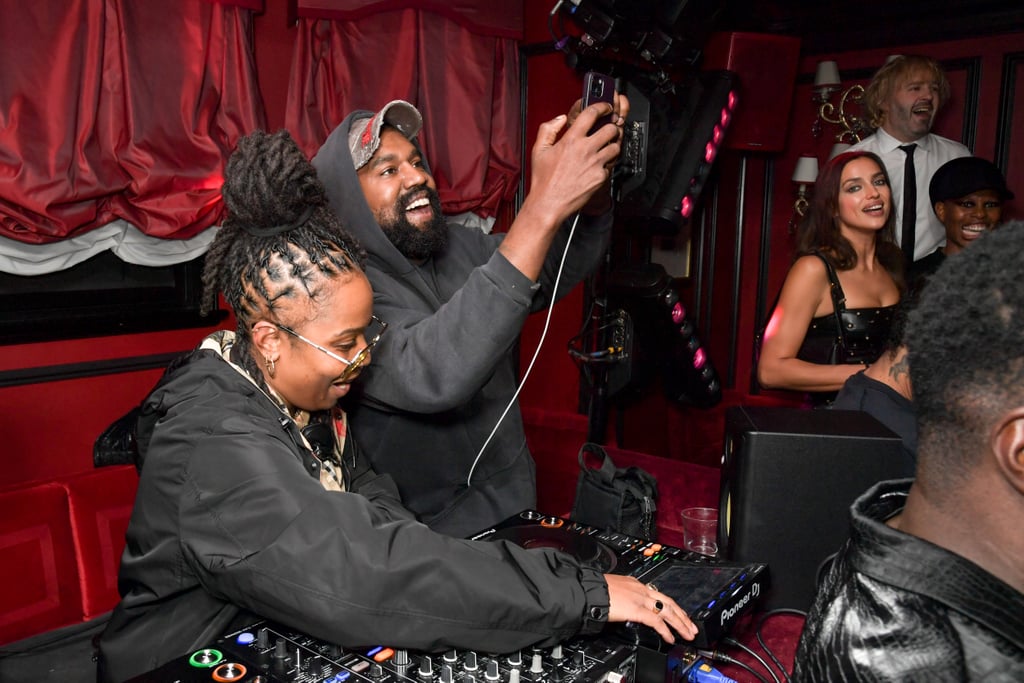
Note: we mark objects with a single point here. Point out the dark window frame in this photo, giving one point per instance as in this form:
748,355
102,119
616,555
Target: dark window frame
102,296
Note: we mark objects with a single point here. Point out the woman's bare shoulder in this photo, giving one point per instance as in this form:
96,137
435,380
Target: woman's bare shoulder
806,269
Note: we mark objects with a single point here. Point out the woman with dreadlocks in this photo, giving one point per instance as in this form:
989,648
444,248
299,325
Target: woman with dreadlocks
253,500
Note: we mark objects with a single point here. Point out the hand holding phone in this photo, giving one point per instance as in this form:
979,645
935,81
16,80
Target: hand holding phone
598,87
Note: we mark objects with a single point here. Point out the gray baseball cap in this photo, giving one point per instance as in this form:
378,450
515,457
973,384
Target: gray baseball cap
364,138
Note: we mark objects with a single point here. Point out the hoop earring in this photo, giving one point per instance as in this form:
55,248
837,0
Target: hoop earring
270,365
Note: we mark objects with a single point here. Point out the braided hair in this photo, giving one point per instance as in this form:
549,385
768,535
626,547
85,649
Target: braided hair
280,241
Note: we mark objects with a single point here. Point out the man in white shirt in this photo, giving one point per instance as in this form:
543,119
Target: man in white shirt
902,100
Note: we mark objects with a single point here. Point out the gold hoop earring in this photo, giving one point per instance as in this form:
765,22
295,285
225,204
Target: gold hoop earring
270,365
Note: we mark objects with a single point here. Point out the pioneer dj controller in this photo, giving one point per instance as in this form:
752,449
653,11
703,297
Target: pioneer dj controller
713,593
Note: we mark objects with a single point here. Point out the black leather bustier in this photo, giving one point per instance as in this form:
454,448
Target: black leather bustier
863,335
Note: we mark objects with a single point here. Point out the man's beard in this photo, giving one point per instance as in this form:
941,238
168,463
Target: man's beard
416,244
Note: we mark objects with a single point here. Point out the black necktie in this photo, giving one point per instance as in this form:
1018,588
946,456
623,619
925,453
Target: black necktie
909,204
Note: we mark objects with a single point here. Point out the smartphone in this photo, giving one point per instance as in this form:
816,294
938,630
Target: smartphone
598,87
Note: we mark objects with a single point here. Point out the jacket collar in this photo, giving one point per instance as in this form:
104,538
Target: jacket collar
912,564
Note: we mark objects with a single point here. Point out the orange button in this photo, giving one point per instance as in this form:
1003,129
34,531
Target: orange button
384,655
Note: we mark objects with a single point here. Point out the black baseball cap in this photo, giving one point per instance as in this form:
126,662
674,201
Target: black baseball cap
960,177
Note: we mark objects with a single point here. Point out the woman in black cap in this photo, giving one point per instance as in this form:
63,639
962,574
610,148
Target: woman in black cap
967,195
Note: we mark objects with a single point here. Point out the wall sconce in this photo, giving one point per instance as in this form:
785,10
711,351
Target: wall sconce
826,84
805,173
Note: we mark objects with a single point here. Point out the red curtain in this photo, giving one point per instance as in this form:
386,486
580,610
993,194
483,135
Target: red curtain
464,80
485,17
114,109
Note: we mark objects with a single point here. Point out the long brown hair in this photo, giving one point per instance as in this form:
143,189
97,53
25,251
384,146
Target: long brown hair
820,232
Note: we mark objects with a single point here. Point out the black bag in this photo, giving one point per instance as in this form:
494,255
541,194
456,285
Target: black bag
620,499
118,444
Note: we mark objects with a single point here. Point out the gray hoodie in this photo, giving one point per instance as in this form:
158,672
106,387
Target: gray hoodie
447,367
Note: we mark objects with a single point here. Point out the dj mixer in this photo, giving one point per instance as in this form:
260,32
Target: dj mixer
714,593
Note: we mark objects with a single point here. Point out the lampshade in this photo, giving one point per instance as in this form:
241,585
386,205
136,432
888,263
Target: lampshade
827,73
806,171
838,149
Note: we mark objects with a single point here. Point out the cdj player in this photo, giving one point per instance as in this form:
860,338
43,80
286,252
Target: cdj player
715,594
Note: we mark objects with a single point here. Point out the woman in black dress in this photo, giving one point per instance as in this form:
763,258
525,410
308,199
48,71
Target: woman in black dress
834,310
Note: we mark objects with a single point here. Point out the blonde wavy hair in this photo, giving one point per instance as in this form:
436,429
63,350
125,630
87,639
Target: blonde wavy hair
892,74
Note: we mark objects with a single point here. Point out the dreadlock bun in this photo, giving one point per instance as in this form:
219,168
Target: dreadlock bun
270,182
280,236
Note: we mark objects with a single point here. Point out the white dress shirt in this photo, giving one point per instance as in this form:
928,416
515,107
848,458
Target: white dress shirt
932,151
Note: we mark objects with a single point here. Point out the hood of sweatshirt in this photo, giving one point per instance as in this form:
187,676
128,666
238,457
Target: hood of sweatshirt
333,163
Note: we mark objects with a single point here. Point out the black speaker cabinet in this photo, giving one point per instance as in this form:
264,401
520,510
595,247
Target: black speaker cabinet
788,478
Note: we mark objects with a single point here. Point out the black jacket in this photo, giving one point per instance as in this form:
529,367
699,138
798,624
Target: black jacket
230,516
897,608
447,369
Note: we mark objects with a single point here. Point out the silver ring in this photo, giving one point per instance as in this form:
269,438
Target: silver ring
652,586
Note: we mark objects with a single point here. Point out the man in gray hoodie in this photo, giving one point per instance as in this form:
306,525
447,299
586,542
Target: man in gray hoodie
456,300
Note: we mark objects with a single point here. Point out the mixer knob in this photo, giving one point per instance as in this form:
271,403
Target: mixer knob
537,665
263,639
470,662
280,656
492,670
513,676
516,658
376,671
401,658
426,669
577,657
556,653
446,674
451,656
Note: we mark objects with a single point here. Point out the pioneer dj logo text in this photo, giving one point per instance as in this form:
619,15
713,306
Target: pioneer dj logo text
755,590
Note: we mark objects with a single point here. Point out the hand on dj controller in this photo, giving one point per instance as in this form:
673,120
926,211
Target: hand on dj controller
630,600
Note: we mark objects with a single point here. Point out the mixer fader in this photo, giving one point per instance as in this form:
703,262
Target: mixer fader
265,652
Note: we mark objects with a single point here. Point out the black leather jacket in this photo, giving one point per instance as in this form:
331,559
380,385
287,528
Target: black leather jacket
897,608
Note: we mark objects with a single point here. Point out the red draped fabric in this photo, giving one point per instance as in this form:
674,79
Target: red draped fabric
116,109
486,17
465,83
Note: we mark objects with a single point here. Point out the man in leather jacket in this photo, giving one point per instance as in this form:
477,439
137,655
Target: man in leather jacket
930,585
